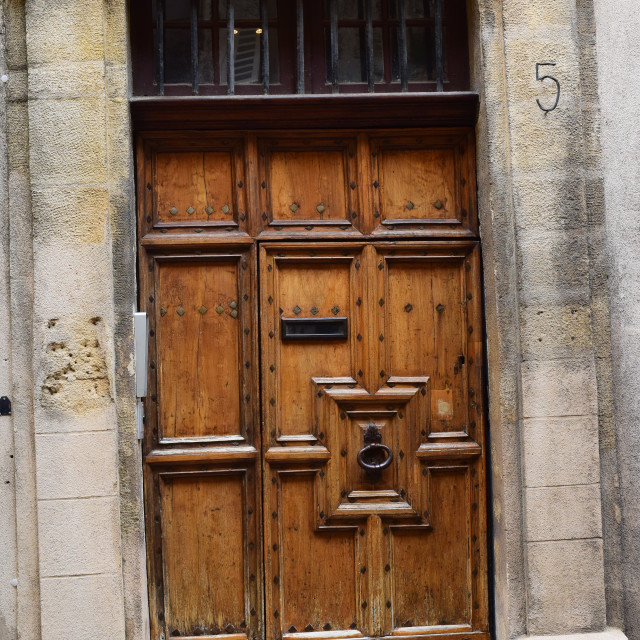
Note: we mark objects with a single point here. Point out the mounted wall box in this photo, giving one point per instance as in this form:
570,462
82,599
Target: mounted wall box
141,349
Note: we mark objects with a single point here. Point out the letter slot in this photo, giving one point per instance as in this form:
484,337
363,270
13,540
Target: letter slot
314,328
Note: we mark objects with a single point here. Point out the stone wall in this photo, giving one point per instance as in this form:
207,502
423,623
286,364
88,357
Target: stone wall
67,266
618,54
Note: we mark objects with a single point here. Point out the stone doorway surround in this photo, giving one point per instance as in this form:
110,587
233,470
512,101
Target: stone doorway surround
67,263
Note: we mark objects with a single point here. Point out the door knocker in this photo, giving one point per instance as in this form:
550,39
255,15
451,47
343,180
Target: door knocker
374,457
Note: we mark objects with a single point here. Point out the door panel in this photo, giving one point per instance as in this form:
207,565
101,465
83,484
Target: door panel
308,185
319,474
398,546
202,478
423,183
199,336
203,530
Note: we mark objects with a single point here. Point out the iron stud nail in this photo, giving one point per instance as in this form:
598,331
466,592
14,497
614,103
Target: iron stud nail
225,209
190,210
243,217
233,304
180,311
270,300
354,214
264,217
314,310
381,302
219,309
353,625
359,337
376,184
381,338
272,368
271,334
292,629
352,184
163,312
173,211
203,309
209,210
263,184
410,205
335,310
320,208
309,627
376,214
272,401
240,184
296,309
246,331
234,314
294,207
380,266
359,301
408,307
440,308
326,626
438,204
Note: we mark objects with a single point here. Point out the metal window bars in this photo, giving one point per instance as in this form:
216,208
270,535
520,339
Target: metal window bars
333,53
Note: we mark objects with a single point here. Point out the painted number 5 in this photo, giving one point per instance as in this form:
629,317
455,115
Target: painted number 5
547,77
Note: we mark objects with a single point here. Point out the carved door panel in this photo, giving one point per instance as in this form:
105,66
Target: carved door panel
372,439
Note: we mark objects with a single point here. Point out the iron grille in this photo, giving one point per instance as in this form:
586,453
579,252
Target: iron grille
209,47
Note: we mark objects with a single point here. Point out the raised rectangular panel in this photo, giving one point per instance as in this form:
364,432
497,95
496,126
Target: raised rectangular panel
432,583
423,183
204,553
308,185
318,581
199,314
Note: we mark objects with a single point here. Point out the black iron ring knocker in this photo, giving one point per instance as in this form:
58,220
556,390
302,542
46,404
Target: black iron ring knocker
374,457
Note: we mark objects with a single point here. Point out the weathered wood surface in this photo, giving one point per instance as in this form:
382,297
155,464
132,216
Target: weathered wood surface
261,523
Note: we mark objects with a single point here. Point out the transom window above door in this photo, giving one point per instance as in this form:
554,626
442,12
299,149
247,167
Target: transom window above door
244,47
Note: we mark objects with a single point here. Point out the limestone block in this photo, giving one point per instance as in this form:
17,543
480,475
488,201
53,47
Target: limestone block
70,214
565,587
82,608
558,388
56,419
78,536
116,33
72,279
76,465
563,513
549,332
18,141
537,14
551,201
67,80
554,267
17,86
561,451
76,28
523,52
67,139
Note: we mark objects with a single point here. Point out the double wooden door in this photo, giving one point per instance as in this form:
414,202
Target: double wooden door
314,446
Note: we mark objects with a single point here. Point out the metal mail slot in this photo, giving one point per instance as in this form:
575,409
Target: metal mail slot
314,328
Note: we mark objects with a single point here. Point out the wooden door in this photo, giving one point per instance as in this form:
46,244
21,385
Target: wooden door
314,441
